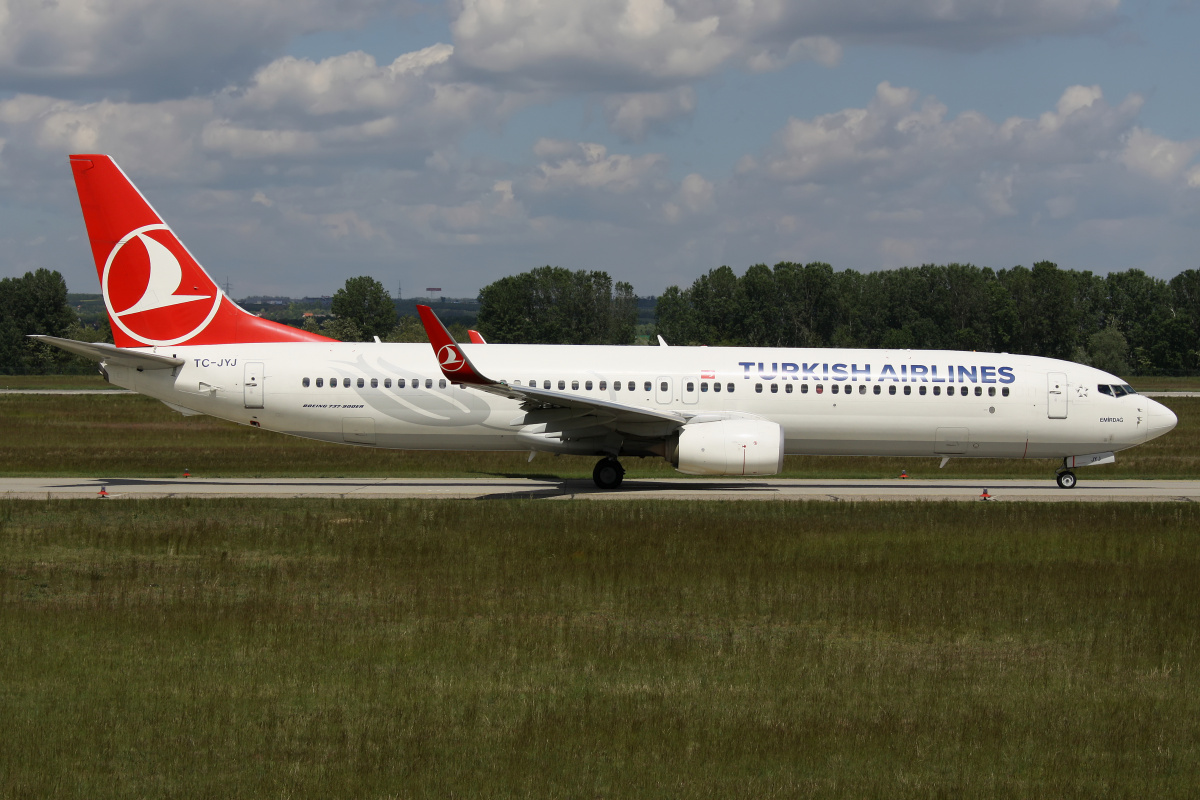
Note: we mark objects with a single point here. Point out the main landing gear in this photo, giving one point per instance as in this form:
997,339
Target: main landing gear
608,473
1066,478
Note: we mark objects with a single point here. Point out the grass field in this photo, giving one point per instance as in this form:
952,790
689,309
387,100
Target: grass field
130,435
256,648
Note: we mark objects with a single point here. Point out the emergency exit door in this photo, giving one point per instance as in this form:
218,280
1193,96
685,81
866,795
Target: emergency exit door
253,384
1056,395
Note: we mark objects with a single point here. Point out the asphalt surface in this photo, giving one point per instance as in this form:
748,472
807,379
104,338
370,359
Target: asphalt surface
1088,490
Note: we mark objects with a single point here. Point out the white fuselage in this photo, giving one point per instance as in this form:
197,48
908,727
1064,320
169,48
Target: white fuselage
828,401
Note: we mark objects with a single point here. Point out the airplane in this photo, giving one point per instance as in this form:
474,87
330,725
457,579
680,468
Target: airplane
720,411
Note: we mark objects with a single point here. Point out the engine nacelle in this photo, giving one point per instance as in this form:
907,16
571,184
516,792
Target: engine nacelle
730,447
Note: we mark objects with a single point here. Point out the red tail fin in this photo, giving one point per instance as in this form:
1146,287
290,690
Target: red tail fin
155,291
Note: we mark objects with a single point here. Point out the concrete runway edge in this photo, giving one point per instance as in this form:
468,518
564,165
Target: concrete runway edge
632,489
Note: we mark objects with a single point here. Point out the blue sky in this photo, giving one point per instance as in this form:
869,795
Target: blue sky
293,145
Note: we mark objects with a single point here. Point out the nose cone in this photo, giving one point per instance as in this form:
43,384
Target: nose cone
1162,419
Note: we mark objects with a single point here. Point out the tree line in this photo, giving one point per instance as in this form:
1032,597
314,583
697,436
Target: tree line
1124,322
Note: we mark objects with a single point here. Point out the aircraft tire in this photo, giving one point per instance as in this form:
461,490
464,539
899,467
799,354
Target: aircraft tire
608,473
1066,480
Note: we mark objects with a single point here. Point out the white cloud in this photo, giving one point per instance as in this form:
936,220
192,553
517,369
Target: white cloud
646,45
147,48
589,167
631,116
1156,157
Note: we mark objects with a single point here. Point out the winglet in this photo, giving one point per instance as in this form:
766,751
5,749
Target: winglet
476,337
453,361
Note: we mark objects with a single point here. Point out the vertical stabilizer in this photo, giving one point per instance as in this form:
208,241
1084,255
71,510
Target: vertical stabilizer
156,293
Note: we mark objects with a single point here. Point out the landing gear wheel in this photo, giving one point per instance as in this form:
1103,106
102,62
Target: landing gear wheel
608,473
1066,480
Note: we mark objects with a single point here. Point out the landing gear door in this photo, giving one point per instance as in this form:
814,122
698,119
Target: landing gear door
253,384
1056,395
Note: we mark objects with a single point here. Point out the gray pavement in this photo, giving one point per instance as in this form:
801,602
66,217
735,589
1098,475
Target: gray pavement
1088,490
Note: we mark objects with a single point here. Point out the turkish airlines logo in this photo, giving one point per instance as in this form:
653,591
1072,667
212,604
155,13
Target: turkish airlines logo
155,291
450,359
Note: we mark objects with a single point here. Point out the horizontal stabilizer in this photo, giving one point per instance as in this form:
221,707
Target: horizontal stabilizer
110,354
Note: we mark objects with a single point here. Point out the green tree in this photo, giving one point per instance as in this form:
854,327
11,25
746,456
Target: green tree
34,303
365,303
553,305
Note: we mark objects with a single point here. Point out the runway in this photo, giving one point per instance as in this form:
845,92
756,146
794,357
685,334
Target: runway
582,489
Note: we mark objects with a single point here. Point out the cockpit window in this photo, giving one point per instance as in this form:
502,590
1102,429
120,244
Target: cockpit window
1116,389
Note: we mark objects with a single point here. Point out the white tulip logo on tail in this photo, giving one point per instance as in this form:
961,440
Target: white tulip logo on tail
450,359
154,288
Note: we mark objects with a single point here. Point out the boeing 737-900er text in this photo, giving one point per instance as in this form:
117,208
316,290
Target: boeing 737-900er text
707,410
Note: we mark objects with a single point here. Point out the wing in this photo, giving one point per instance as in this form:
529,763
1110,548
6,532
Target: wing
109,354
544,405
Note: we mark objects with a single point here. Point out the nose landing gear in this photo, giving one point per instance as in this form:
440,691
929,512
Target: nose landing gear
608,473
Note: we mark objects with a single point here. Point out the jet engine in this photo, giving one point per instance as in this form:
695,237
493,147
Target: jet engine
729,447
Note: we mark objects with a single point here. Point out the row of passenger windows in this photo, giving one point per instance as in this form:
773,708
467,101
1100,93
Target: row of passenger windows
362,383
647,386
878,389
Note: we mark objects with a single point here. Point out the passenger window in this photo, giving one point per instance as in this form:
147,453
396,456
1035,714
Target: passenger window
937,390
908,390
588,386
442,383
716,386
788,388
758,388
921,390
631,386
346,382
646,386
704,386
729,387
387,383
575,385
333,383
429,383
374,383
662,387
361,383
616,386
862,388
979,391
603,385
834,388
892,389
991,391
545,384
804,388
320,382
533,383
820,388
304,383
774,388
877,389
1004,391
691,387
950,391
